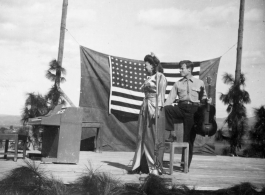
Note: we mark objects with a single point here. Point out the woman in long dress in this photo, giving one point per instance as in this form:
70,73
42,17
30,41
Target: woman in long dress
148,156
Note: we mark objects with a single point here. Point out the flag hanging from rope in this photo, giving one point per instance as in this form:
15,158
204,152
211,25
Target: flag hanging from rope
127,76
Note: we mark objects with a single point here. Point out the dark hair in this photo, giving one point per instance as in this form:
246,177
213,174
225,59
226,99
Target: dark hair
188,63
154,61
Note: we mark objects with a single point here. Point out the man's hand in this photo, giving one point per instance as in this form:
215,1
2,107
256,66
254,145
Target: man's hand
147,85
174,104
209,100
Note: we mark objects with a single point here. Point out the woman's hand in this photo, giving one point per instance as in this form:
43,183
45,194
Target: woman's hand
159,108
148,85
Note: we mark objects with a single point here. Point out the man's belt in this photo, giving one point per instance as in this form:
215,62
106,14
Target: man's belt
189,102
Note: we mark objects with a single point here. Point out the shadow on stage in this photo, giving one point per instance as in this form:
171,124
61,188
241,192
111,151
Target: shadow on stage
119,165
129,167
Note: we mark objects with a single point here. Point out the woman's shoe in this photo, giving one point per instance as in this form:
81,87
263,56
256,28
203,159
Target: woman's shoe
154,172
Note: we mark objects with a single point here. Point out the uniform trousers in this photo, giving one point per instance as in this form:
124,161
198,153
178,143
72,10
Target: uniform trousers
186,113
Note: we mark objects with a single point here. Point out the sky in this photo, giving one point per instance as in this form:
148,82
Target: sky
173,29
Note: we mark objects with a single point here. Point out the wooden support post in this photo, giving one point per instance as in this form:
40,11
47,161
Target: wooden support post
240,41
62,34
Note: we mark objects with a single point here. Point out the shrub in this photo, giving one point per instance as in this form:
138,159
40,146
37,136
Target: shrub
28,179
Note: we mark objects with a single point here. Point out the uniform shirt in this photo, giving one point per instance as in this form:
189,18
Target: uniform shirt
195,91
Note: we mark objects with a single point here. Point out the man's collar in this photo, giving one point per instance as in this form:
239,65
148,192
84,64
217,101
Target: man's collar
191,79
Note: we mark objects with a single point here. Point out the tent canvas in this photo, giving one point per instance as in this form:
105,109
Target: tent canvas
120,128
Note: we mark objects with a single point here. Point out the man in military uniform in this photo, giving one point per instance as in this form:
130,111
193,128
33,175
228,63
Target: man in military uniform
190,92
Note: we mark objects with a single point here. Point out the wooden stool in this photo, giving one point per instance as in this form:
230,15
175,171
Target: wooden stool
178,128
14,137
185,146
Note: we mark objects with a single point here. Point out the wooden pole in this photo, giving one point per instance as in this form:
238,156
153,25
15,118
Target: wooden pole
240,41
62,34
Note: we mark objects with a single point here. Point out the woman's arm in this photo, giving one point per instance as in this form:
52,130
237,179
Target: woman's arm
162,85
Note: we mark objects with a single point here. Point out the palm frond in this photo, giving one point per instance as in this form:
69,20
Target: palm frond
245,97
242,80
55,67
49,75
228,78
225,98
62,70
229,108
63,79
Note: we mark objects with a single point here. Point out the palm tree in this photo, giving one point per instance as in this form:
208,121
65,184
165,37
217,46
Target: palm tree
235,98
55,95
56,77
35,105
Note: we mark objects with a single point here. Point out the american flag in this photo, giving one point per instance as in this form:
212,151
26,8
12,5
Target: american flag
127,76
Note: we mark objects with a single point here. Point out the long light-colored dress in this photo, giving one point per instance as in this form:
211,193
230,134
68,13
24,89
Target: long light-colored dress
146,159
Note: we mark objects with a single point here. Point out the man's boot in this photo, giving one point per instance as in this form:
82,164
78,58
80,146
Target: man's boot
171,138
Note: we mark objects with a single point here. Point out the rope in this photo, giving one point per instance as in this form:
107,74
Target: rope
71,35
229,49
79,44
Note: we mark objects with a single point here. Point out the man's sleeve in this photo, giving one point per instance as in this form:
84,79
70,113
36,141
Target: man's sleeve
172,95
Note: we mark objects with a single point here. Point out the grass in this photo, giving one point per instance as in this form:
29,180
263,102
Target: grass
29,179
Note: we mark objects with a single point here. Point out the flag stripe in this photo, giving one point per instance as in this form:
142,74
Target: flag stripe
125,109
128,92
179,75
177,71
168,91
118,103
127,98
175,65
172,80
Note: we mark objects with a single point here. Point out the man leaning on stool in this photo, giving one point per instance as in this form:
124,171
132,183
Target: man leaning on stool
190,92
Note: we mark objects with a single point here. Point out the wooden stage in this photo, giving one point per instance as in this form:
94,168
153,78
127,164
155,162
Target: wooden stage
206,172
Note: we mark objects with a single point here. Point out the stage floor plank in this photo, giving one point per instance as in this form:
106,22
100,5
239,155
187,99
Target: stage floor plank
206,172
